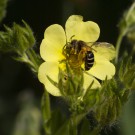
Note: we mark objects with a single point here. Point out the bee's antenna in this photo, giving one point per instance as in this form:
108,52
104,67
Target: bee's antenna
64,46
93,49
93,43
71,38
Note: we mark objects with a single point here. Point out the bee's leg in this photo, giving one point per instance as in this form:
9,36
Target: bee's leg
81,56
72,51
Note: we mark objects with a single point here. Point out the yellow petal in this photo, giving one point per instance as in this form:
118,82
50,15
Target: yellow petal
87,31
88,79
50,69
104,51
52,44
102,69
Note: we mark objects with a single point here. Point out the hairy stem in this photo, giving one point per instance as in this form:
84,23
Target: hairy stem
118,44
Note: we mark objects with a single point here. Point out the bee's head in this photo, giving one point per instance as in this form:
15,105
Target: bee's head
73,43
66,49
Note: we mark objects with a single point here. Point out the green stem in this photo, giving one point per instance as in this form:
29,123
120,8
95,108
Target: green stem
33,57
118,44
73,128
46,112
74,121
45,104
123,33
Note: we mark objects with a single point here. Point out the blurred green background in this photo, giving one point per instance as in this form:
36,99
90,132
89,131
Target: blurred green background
20,91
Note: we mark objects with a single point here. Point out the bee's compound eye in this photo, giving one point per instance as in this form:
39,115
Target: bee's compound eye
81,43
73,42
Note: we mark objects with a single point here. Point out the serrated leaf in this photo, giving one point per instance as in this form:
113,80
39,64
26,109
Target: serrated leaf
16,39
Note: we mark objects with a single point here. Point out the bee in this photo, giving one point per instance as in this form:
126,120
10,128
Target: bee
79,52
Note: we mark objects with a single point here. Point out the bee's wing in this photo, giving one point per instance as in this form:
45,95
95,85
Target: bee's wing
103,49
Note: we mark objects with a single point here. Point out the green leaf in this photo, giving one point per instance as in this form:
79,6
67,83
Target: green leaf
131,35
85,127
64,129
108,107
16,39
122,68
125,25
129,116
46,112
128,19
91,98
126,73
57,120
129,77
19,40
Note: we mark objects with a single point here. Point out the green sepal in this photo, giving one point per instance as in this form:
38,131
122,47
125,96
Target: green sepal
108,108
126,73
53,82
91,98
123,67
129,78
70,82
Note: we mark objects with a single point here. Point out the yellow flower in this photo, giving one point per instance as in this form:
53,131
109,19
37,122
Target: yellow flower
55,38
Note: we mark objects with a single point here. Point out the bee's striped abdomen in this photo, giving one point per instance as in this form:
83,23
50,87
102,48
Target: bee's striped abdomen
89,60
